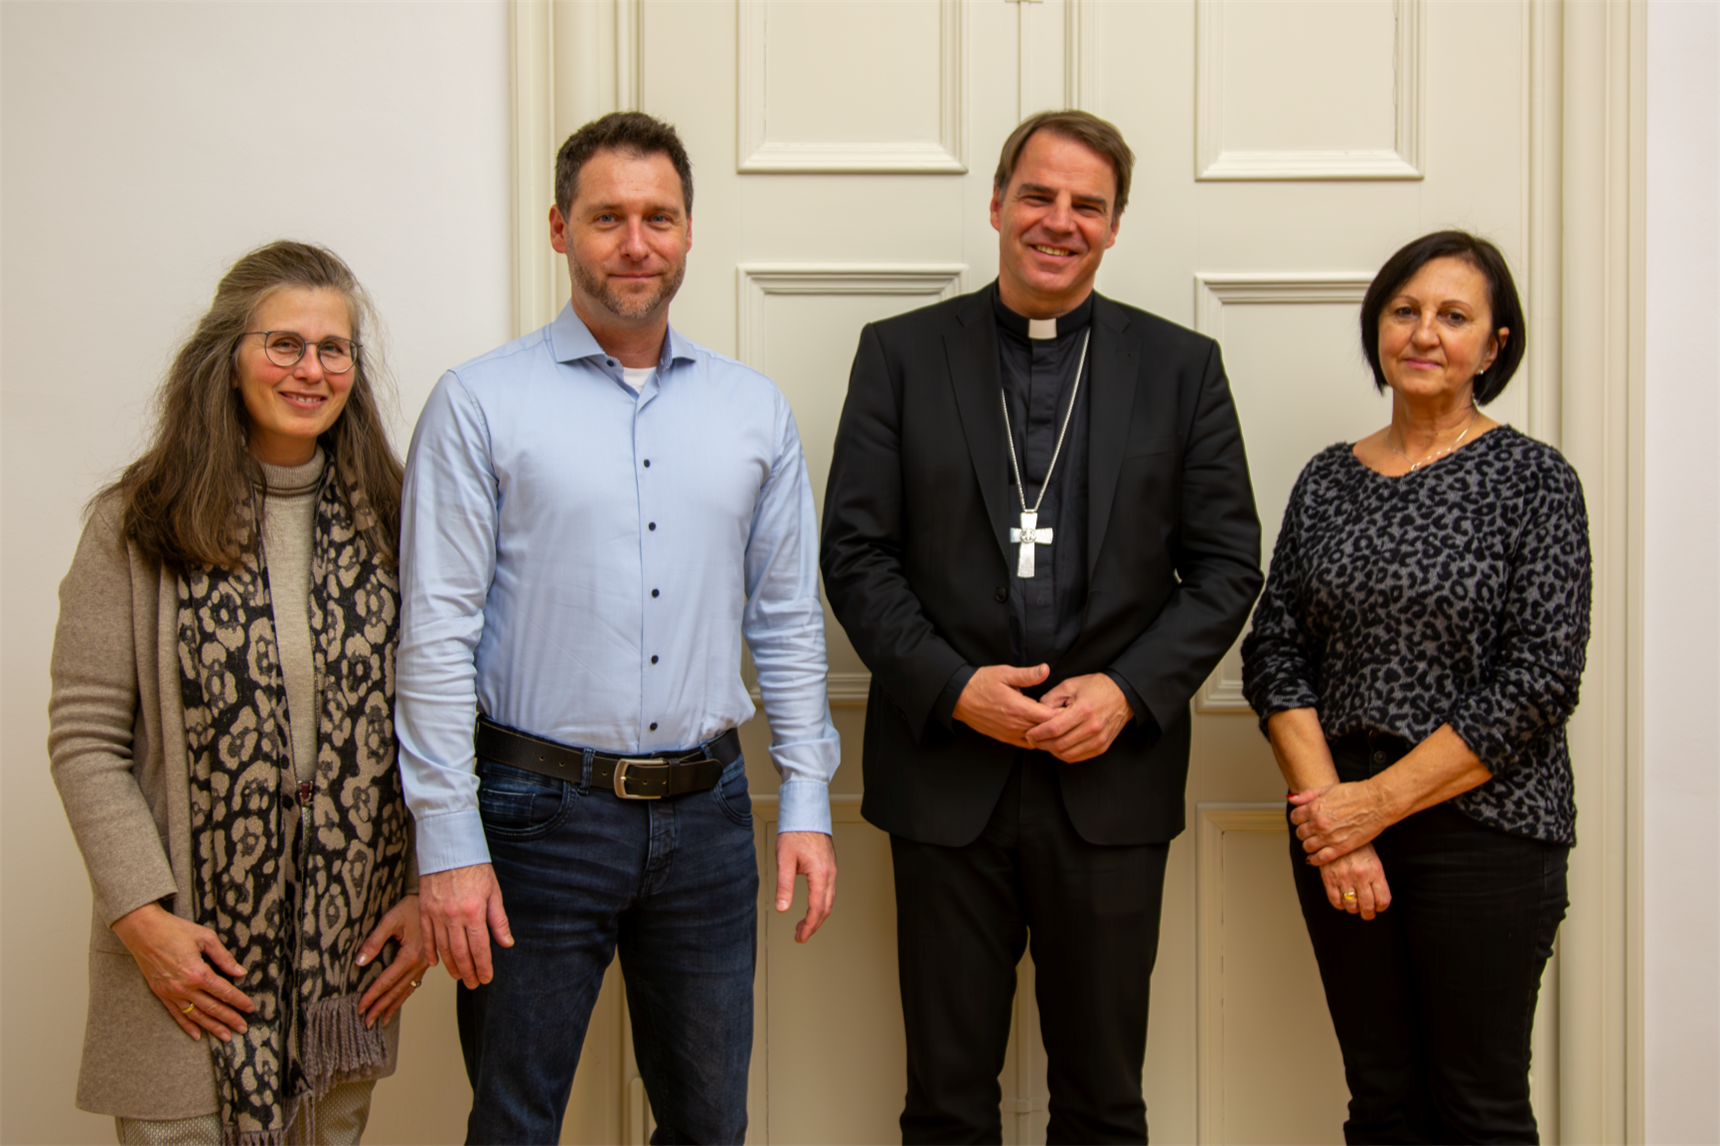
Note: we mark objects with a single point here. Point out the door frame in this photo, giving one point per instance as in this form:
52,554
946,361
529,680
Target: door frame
1585,166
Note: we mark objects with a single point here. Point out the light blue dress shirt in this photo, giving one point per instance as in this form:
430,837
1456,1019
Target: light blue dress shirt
581,561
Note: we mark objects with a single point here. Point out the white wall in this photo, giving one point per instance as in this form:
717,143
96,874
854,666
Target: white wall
146,145
1681,640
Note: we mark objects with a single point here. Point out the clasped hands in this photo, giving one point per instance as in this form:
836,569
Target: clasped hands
1075,721
1337,824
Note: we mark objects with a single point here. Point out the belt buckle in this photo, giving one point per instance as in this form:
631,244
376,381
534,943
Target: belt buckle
620,781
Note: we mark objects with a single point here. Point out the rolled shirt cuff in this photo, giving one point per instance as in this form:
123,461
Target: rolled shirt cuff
803,806
455,839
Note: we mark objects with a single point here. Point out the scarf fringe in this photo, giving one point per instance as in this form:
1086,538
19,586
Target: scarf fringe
302,1119
337,1046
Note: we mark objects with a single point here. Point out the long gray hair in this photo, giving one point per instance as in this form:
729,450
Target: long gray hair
188,499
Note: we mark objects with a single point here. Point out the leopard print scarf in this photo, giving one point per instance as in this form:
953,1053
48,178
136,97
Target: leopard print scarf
295,923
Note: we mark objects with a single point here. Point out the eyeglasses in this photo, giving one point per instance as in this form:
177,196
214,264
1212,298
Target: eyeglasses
285,348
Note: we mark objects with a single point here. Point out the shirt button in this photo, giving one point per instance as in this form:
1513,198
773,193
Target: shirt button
652,527
1379,758
653,726
653,592
647,463
653,660
1000,594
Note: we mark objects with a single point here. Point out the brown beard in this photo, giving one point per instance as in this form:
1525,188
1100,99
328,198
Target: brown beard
597,288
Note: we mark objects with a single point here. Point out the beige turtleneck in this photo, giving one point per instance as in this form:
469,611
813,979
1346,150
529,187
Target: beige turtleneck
289,526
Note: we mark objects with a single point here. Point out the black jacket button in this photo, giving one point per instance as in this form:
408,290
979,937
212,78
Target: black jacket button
1000,594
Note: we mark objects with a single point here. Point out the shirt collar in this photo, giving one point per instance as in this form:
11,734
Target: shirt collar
571,341
1016,324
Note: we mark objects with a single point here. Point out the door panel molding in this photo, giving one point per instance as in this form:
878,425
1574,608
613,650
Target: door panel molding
1251,963
571,62
1403,161
1601,380
1081,53
934,281
785,969
531,42
758,152
1222,692
844,688
1213,821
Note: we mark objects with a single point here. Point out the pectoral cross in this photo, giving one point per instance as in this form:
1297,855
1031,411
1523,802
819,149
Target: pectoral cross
1027,537
1030,534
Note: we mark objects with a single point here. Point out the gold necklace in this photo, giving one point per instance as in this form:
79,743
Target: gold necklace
1433,457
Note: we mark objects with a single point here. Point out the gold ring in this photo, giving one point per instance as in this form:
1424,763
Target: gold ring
412,983
1349,895
189,1007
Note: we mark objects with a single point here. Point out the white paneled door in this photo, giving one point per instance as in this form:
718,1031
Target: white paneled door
843,152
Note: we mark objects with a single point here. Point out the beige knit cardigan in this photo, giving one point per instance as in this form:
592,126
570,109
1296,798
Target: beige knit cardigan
116,743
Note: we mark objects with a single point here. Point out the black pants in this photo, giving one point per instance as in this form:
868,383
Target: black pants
964,916
1434,999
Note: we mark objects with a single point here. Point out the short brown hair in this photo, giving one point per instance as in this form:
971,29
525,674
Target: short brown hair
632,132
1101,136
1505,307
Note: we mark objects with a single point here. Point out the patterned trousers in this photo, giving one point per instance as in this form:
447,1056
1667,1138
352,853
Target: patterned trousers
340,1118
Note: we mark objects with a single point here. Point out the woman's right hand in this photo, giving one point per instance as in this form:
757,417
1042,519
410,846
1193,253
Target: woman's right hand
174,955
1361,874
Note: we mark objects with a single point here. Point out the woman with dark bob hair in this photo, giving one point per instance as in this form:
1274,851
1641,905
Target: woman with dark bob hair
221,731
1414,660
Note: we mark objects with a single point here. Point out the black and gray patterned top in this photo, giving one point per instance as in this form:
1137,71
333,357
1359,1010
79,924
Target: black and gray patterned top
1456,594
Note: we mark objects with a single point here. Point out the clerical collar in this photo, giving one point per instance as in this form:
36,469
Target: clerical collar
1040,328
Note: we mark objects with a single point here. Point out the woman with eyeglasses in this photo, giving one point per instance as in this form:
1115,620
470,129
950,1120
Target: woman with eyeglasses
1414,660
222,736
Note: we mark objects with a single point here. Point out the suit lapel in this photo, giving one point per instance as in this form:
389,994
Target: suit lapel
1112,378
970,345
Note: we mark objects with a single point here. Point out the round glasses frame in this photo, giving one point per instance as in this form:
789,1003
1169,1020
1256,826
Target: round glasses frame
341,347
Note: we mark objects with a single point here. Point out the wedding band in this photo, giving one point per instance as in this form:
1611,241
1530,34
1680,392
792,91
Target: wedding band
189,1007
1349,895
412,983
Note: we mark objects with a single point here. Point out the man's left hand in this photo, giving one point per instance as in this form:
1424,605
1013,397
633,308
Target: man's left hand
1091,711
814,854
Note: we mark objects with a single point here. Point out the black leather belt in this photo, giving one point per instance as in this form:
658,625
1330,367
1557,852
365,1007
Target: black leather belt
629,777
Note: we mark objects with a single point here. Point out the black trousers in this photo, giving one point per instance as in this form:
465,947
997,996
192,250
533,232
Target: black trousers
1434,999
965,915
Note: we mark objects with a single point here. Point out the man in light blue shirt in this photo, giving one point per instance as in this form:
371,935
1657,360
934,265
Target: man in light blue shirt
594,516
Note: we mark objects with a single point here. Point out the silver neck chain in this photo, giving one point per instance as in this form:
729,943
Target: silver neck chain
1434,457
1009,435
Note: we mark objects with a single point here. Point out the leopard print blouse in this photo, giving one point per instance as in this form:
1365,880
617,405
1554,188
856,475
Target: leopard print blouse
1457,594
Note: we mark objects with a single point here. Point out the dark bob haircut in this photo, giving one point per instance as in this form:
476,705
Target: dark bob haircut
630,132
1502,301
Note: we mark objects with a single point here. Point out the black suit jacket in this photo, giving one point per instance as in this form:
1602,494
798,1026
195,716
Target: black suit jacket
917,564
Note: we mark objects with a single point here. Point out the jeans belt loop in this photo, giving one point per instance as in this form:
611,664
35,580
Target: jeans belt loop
585,773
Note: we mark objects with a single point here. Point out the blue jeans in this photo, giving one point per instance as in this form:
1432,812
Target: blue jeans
674,884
